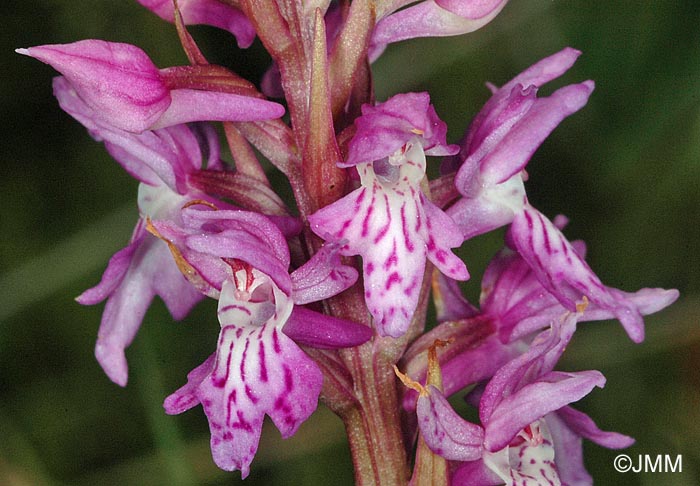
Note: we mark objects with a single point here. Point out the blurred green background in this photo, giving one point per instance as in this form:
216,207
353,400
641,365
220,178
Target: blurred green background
626,170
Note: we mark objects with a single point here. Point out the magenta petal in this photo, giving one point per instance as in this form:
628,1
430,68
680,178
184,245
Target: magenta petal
515,149
646,301
186,396
493,123
544,352
190,105
118,81
151,272
474,473
325,332
256,372
450,304
243,235
385,127
550,392
71,103
545,70
323,276
241,246
565,274
393,264
127,91
114,274
582,425
166,155
536,75
568,427
427,19
512,294
446,433
443,235
256,225
386,222
263,373
471,9
121,319
208,12
568,452
476,216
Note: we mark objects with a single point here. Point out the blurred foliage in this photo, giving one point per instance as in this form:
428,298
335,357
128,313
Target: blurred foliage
625,170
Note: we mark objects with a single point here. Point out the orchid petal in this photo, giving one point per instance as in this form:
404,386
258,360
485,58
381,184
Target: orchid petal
257,371
543,353
536,75
479,215
581,424
385,222
526,462
510,155
190,105
512,294
549,393
151,272
113,275
323,276
443,234
209,12
568,452
565,274
256,225
446,433
324,332
386,127
118,81
545,70
126,90
428,19
165,155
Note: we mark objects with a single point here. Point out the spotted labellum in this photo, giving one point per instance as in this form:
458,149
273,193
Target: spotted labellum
388,220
